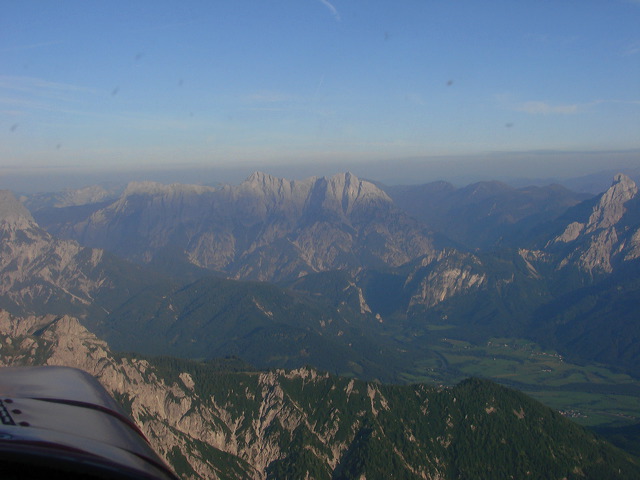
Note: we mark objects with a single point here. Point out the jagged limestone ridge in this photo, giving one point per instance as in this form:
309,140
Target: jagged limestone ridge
610,208
309,225
599,236
35,267
446,275
606,213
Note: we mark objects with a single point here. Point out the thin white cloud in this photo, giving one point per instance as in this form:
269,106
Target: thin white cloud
544,108
22,103
508,102
624,102
19,48
31,94
39,87
331,8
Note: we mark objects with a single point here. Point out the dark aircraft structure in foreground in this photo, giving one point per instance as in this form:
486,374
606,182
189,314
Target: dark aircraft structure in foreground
59,422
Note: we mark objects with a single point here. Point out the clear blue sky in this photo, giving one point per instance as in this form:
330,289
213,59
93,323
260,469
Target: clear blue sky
134,83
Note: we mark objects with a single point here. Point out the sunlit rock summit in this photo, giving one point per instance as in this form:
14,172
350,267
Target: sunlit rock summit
609,234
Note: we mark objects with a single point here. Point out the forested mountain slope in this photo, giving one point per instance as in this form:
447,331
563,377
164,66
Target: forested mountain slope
214,423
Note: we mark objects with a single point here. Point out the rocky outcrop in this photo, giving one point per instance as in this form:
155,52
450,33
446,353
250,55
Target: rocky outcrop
450,274
632,249
611,207
35,267
12,211
155,405
42,274
594,243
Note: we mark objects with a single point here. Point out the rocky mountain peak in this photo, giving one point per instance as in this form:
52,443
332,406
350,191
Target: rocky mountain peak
11,210
269,186
607,212
266,193
339,193
143,187
83,196
347,191
610,208
262,179
601,232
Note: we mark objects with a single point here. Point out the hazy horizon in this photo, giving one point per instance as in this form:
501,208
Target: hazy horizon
582,171
468,90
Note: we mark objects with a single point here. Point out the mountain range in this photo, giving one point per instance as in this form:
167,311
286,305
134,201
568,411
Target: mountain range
266,228
485,214
355,271
358,280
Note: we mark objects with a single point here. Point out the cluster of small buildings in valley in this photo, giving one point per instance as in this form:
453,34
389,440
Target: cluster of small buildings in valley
572,414
526,346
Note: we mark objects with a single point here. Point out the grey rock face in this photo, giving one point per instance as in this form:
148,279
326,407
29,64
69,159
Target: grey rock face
611,207
11,210
594,244
43,274
450,274
34,267
266,228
